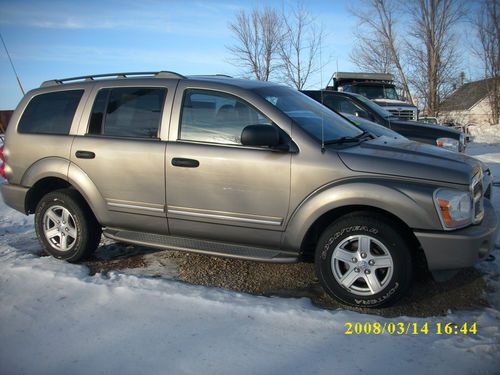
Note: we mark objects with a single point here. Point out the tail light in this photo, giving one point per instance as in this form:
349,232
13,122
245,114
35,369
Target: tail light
2,163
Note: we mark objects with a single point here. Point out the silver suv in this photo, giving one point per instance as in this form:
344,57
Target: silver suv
242,169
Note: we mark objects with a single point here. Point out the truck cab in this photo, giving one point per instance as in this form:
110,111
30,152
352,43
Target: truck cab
378,87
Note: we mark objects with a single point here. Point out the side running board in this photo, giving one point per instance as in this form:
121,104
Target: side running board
201,246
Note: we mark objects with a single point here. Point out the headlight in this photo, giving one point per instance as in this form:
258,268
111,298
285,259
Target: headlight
448,143
454,208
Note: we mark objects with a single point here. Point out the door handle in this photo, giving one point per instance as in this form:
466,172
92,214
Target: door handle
85,155
186,163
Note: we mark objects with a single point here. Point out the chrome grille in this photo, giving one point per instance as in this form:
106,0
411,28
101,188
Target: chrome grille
404,114
477,197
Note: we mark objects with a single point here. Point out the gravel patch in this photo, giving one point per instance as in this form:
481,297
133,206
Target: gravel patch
466,290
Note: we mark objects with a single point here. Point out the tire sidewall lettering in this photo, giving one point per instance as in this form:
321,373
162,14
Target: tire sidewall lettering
380,229
348,230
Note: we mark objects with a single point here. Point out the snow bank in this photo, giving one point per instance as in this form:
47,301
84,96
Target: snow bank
58,320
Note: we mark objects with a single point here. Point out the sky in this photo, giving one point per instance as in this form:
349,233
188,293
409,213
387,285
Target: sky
58,39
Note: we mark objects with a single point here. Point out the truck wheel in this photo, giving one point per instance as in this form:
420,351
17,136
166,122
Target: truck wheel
65,226
363,261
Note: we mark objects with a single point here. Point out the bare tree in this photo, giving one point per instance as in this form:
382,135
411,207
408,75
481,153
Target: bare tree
382,50
299,46
371,54
432,45
487,25
258,35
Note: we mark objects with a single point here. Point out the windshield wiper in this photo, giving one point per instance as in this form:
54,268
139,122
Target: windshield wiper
342,140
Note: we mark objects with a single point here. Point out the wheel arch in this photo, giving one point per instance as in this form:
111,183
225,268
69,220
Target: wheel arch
308,245
320,210
61,174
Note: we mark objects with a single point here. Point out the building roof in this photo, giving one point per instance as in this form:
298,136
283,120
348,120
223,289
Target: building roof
466,96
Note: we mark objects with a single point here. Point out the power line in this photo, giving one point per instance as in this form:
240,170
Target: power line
12,64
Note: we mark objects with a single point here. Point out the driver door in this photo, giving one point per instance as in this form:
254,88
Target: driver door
217,188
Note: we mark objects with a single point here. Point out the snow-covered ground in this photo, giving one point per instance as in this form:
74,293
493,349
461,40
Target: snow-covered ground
56,319
489,134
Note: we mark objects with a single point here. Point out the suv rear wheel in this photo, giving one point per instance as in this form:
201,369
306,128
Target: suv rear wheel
362,260
65,226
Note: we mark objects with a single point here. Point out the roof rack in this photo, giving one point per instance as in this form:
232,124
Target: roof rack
210,76
161,74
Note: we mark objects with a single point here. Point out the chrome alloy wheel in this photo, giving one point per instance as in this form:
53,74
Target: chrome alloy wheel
59,228
362,265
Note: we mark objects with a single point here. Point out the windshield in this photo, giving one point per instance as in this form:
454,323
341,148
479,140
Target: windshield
374,106
429,120
308,113
377,92
373,128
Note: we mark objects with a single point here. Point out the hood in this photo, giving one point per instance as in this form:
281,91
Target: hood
437,130
392,102
399,157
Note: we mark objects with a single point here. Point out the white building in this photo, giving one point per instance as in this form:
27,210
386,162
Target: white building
468,105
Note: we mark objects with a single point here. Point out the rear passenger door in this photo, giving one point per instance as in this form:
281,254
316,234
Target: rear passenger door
119,148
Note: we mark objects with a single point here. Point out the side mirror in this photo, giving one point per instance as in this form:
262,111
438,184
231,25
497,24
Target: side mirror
361,114
260,135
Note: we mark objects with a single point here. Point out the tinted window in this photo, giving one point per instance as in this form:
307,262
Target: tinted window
213,117
313,117
373,106
127,112
342,104
50,113
98,110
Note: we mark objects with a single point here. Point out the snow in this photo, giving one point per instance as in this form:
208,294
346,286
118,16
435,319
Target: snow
57,319
489,134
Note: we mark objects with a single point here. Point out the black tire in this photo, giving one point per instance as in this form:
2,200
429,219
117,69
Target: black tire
374,285
81,224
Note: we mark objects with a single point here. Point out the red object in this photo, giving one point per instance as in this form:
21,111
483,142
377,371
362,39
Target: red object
2,163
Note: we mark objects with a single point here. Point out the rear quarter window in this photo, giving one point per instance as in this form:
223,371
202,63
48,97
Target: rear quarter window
50,113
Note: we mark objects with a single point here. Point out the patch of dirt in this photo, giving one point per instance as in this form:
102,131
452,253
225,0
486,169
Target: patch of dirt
466,290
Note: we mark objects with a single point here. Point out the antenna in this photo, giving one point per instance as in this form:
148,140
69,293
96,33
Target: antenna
321,93
12,64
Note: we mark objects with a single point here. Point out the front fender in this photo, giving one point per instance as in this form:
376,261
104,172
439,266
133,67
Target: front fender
410,203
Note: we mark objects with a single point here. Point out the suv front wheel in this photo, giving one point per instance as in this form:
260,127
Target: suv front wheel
362,260
65,226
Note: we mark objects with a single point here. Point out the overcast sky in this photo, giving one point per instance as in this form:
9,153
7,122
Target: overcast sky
57,39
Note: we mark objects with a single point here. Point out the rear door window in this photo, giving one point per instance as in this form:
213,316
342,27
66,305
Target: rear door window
127,112
50,113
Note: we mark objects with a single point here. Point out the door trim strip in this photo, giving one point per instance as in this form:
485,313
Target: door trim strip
225,217
136,207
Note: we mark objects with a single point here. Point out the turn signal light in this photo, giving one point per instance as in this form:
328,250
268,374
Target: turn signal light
2,163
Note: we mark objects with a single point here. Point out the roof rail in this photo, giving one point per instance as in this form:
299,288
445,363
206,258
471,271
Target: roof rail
210,75
161,74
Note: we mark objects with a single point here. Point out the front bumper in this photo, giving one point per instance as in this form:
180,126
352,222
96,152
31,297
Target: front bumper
460,248
15,196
